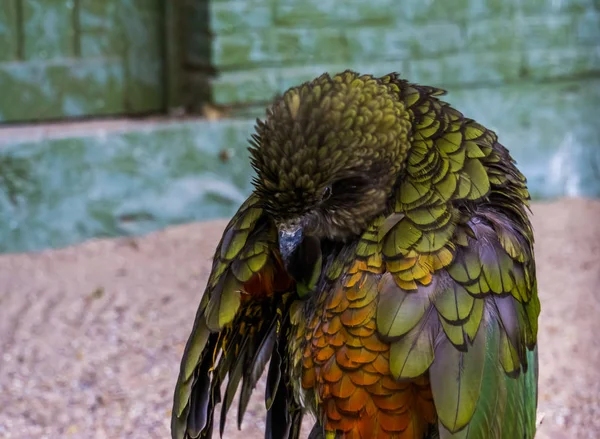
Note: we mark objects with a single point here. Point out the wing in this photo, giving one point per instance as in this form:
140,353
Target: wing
237,327
459,296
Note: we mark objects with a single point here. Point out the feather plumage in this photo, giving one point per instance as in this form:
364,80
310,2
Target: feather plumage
405,303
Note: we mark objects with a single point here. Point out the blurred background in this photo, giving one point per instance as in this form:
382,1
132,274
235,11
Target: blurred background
117,116
123,117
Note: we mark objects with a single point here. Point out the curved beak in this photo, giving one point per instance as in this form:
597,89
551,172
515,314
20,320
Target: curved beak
290,237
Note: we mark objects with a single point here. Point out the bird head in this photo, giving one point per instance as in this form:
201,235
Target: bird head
328,155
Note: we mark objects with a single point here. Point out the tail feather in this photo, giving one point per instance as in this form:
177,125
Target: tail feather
284,415
317,432
239,355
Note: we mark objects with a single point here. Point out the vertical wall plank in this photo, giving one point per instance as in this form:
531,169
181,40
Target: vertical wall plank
173,57
101,35
9,30
141,22
76,20
48,28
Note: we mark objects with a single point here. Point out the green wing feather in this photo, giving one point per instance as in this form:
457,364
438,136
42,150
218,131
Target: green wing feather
237,327
459,299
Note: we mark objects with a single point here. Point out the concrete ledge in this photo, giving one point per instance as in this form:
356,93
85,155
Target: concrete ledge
73,182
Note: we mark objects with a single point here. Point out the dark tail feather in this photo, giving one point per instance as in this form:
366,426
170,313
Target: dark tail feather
257,366
200,407
317,432
284,416
238,355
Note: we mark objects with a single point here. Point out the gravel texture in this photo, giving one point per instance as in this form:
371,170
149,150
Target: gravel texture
91,335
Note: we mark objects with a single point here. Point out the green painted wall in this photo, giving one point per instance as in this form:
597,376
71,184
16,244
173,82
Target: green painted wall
529,70
132,180
73,58
261,47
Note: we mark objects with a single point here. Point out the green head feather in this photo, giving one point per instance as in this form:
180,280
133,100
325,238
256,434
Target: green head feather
343,137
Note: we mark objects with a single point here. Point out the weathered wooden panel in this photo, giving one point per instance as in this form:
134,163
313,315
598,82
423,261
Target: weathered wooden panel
73,58
70,88
142,28
97,15
48,28
9,31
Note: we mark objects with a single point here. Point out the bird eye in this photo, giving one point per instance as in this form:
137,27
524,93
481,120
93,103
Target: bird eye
326,193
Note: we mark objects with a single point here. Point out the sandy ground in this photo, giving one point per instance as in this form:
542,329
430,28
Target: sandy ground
91,335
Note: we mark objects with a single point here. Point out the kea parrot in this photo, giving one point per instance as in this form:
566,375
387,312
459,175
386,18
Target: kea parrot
382,268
